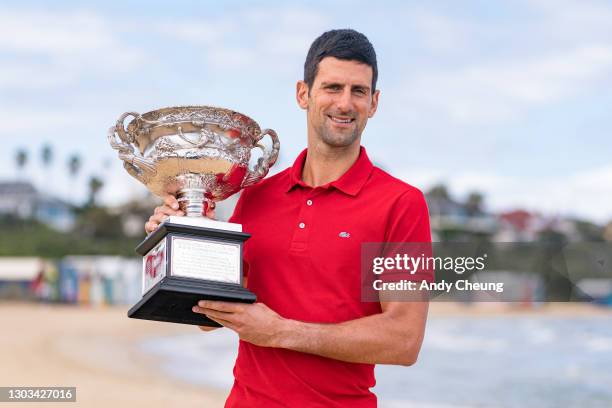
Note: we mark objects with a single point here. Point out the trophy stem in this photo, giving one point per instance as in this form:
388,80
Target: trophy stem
193,202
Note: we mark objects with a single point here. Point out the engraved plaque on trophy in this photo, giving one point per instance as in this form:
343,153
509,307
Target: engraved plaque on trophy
199,154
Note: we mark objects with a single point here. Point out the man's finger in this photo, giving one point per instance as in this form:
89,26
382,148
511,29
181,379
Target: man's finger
152,224
229,317
207,328
228,307
216,316
165,210
224,323
159,218
217,313
210,213
171,202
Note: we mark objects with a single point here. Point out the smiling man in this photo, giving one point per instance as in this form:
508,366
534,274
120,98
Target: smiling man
310,341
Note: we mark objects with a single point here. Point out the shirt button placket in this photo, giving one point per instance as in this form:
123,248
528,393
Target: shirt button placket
304,222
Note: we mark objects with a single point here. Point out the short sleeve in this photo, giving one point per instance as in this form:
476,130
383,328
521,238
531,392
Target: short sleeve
237,218
408,234
408,219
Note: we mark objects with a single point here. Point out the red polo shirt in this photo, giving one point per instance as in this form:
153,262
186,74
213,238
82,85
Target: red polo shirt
302,261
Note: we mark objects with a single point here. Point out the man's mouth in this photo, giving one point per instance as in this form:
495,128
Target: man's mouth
340,119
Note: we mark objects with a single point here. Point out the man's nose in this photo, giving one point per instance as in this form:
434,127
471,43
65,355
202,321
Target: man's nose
344,102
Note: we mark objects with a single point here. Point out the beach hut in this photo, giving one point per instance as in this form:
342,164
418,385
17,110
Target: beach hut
104,279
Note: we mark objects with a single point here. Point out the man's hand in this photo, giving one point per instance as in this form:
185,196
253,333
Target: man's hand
170,207
255,323
208,328
391,337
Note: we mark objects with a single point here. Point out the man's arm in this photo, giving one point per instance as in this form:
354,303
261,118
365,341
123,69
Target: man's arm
391,337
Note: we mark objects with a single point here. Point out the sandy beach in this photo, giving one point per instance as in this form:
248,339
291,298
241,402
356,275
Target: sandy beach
96,350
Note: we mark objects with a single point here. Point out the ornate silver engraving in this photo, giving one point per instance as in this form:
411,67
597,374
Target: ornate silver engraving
192,151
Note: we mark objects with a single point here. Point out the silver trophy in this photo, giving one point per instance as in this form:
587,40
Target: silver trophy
201,155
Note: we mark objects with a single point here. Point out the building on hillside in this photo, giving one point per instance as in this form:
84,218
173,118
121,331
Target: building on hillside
453,221
21,199
518,226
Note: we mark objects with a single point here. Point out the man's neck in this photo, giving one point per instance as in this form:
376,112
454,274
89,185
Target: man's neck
325,164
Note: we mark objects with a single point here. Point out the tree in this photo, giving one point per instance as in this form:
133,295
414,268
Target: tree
95,185
439,192
21,159
74,165
474,203
47,155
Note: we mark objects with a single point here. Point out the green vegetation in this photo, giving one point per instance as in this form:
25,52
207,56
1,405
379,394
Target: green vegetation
96,232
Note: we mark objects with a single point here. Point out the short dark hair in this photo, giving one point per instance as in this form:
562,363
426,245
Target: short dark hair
345,44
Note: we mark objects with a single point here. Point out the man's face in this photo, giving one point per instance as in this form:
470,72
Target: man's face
339,102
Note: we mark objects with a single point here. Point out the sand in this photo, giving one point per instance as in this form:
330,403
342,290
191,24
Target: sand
96,350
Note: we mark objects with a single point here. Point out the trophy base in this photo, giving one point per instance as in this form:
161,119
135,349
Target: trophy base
171,300
187,260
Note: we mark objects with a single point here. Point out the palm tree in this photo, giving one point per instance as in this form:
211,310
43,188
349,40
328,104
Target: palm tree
21,159
74,165
45,180
95,185
47,155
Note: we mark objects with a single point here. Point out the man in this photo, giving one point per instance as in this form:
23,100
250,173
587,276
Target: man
310,341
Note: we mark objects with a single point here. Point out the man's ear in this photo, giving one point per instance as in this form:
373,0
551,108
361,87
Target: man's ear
301,94
374,103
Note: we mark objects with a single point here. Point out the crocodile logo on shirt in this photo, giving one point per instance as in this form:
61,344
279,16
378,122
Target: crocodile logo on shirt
344,234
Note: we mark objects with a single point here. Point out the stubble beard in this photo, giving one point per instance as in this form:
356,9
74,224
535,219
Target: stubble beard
336,138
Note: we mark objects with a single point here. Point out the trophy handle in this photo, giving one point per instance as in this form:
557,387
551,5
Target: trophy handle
120,127
264,162
138,167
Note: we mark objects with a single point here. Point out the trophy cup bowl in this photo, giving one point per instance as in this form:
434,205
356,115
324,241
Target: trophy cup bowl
201,155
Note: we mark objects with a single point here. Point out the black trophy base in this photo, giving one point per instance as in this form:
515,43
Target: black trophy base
171,300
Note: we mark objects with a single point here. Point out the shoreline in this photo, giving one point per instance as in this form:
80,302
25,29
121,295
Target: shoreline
557,309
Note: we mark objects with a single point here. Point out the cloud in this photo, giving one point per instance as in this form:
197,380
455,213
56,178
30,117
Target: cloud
470,69
439,33
24,121
502,90
196,32
54,49
52,32
251,38
579,19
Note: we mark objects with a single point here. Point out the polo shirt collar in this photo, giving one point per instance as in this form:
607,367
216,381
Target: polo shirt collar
349,183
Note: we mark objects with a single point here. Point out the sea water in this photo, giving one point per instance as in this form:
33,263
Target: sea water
466,362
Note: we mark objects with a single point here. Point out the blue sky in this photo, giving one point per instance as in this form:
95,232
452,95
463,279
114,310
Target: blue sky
512,99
